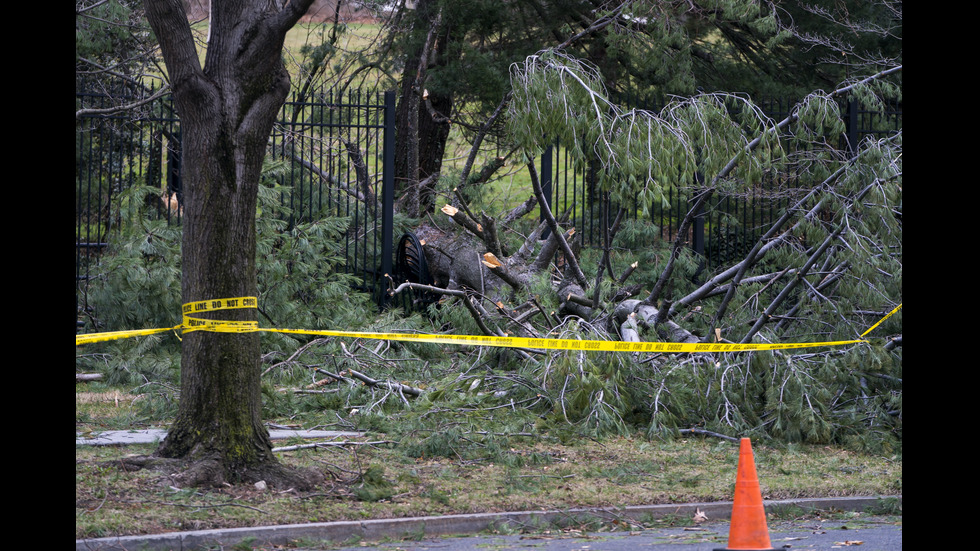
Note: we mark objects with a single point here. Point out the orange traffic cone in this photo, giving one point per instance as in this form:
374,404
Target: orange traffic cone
748,529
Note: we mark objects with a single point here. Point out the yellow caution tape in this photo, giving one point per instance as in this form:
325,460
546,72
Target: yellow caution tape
219,326
190,323
872,328
196,324
566,344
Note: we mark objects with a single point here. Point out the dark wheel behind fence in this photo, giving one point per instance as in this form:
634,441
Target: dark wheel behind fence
410,265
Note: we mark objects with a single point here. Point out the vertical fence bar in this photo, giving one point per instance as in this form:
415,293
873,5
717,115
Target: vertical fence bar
697,229
546,184
388,191
852,126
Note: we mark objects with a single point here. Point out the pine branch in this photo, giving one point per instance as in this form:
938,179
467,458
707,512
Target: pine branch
397,387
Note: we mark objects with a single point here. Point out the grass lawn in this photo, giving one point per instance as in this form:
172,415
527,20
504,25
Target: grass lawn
515,473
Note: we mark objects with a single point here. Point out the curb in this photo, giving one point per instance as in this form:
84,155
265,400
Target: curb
379,529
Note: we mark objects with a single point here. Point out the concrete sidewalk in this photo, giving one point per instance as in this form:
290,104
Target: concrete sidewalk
152,436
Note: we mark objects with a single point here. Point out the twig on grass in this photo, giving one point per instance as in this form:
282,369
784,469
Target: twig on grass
703,432
329,445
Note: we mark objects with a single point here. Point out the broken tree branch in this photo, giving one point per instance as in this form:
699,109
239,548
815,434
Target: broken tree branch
397,387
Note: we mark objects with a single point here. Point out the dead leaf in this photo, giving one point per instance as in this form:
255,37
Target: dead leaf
699,516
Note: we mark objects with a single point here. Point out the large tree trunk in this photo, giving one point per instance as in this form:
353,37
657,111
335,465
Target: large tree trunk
220,394
227,109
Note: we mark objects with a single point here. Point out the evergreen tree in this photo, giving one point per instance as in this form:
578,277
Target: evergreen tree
454,58
114,52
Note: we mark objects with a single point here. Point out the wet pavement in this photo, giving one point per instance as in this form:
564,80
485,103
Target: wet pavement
873,534
534,530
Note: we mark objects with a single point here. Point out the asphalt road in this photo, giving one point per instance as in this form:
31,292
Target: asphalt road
534,530
873,534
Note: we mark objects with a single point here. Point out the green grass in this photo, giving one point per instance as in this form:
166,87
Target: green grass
356,38
517,473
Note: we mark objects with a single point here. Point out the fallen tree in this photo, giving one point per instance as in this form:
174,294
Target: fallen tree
820,272
472,255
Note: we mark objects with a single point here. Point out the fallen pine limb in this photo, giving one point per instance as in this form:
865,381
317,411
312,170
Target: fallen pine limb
404,389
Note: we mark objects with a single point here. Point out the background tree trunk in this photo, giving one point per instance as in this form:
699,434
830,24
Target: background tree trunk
422,125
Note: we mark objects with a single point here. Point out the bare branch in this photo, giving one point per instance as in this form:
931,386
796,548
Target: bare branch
553,226
398,387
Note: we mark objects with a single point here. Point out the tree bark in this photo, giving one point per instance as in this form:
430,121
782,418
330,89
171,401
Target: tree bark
422,126
227,110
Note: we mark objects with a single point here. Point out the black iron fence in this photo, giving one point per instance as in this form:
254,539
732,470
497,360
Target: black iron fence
339,150
730,222
336,149
339,153
114,151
